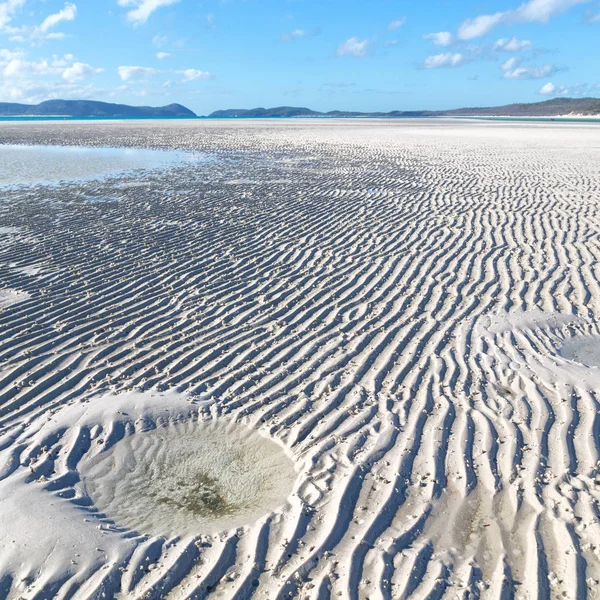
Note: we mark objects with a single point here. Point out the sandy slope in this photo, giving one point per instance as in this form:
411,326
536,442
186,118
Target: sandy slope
409,308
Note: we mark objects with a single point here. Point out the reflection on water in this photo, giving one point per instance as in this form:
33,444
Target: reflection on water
27,165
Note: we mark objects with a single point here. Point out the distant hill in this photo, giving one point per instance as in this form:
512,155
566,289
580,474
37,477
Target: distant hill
548,108
280,111
91,108
293,111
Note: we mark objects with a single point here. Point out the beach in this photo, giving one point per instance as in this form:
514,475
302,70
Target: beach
404,313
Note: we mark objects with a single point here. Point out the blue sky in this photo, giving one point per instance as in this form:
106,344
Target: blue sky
326,54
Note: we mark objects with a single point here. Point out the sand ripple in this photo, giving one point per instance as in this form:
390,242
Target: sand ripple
393,303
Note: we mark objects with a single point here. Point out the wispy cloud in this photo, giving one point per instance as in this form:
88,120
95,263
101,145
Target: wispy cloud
445,60
293,35
163,55
68,13
159,40
353,47
510,64
8,10
440,38
142,9
592,17
78,71
43,31
547,89
298,34
397,23
133,73
532,11
474,28
23,80
194,75
512,70
339,84
513,45
129,72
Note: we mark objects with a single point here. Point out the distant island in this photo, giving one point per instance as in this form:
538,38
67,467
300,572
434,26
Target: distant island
90,108
548,108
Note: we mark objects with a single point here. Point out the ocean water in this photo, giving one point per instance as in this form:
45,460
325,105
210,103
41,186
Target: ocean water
29,165
535,119
481,118
26,119
431,118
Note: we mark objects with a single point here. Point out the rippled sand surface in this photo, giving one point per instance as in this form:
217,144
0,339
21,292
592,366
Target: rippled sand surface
407,311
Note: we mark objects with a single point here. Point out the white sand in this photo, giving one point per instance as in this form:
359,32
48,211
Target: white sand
9,297
409,309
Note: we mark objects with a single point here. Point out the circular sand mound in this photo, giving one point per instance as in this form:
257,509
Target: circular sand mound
584,349
189,478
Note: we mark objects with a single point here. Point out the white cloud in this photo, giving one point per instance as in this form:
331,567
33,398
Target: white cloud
162,55
159,40
510,64
78,71
293,35
447,59
62,61
32,92
541,11
126,73
396,24
441,38
68,13
473,28
142,9
194,75
42,32
6,55
532,11
512,70
23,80
131,73
535,72
13,66
513,45
353,47
548,89
8,9
19,68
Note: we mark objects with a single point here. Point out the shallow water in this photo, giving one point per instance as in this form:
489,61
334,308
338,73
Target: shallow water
189,479
28,165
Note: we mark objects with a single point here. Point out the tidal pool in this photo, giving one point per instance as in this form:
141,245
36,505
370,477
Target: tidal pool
584,349
31,165
189,478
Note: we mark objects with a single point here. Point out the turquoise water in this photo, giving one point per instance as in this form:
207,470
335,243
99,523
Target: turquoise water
513,119
30,165
33,119
535,119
